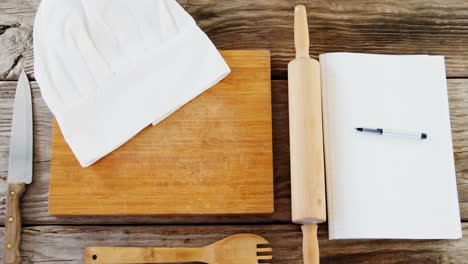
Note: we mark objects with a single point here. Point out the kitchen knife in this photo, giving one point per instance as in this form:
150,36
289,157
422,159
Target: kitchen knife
19,167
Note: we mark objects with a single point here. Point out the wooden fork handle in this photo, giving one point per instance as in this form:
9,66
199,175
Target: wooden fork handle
137,255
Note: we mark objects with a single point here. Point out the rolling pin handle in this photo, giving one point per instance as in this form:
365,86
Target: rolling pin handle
301,32
310,246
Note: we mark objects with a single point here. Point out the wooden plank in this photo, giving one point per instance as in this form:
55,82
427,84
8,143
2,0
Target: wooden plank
375,26
211,157
65,244
35,199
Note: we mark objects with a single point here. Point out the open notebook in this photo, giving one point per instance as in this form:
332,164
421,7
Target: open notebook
382,186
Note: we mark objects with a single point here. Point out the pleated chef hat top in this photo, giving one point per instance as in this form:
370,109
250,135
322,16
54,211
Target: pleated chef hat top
109,68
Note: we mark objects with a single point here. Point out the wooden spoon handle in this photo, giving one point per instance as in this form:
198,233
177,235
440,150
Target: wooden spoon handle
137,255
13,224
310,246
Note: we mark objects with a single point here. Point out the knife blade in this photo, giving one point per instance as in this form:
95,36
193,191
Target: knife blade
19,167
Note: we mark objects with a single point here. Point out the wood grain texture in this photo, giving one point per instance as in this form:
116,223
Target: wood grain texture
213,156
66,244
375,26
380,26
34,207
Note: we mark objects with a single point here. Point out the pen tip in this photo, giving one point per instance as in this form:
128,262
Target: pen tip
424,136
359,129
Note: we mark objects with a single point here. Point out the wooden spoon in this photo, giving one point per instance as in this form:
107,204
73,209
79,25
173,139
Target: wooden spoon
243,248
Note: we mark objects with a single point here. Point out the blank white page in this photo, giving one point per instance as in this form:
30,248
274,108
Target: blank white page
382,186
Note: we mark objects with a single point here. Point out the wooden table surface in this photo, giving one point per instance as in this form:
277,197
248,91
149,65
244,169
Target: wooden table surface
386,26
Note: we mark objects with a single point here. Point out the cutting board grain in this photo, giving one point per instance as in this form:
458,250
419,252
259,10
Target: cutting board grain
213,156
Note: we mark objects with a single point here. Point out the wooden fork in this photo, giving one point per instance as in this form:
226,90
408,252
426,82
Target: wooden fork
238,249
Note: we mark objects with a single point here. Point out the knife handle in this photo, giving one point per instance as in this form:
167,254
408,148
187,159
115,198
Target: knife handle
13,223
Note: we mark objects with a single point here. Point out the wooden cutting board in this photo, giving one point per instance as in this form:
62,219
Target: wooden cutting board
213,156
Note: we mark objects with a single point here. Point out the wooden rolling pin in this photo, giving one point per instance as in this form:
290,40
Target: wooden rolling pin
306,139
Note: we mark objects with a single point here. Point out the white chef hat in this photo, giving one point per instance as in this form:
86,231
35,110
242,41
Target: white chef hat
109,68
